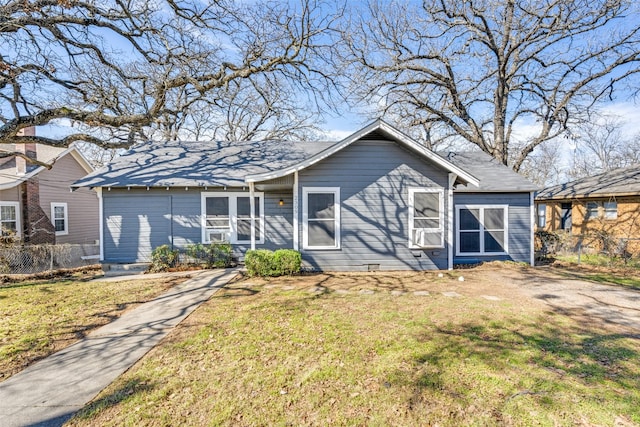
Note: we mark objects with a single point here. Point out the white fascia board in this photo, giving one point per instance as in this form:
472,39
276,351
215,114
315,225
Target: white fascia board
77,155
80,158
377,125
20,179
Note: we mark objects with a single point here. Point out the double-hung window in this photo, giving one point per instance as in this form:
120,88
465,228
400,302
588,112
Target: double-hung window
227,217
592,210
482,230
542,215
321,217
9,218
60,218
426,218
243,219
610,210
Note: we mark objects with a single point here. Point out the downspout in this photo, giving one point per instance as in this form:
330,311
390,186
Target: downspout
252,204
296,237
532,224
452,181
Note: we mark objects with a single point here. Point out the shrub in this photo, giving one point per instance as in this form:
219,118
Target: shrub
287,261
265,263
218,255
163,258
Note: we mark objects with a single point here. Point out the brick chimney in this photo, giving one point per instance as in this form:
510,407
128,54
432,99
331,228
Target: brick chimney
29,149
36,225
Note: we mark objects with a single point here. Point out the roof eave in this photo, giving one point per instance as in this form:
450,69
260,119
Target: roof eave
588,196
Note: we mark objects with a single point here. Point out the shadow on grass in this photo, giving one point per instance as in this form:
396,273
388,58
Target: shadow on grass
234,292
125,392
549,356
629,278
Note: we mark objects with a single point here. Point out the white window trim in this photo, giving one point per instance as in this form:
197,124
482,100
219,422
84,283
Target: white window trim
440,229
55,205
587,212
482,229
541,207
16,205
233,215
606,211
305,215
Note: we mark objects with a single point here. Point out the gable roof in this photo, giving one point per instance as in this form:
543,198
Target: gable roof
617,182
493,176
377,127
44,153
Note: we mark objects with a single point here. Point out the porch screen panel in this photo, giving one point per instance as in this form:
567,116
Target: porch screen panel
217,217
243,220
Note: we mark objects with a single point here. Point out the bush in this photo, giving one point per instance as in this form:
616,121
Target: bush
287,261
163,258
218,255
265,263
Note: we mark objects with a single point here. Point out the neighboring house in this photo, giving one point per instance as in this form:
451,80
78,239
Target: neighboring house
607,204
36,202
375,200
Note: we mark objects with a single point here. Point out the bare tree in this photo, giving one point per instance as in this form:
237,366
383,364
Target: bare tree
545,165
246,109
601,145
116,68
477,70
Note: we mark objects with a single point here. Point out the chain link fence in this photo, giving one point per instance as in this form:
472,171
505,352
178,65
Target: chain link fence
31,259
551,243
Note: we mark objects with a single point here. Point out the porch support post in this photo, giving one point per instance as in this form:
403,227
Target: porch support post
296,237
450,213
532,248
252,205
100,221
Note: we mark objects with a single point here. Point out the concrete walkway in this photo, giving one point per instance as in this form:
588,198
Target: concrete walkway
50,391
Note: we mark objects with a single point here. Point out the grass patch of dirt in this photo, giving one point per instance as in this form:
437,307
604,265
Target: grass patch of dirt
601,273
379,349
41,316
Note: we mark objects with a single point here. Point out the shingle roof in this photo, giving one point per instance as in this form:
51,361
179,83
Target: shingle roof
217,164
8,176
618,182
198,164
493,175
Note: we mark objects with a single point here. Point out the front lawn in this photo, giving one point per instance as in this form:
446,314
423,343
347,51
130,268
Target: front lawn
40,317
378,349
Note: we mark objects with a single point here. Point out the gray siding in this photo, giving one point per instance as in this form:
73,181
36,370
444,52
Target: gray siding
374,179
519,223
138,220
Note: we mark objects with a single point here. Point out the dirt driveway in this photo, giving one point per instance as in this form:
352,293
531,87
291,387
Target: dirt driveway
608,305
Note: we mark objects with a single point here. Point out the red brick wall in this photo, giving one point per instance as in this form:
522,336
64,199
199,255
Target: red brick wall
37,227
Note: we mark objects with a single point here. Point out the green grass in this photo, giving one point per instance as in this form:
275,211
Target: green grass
40,317
256,355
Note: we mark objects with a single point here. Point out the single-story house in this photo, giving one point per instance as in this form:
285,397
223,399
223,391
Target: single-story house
595,206
375,200
36,205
